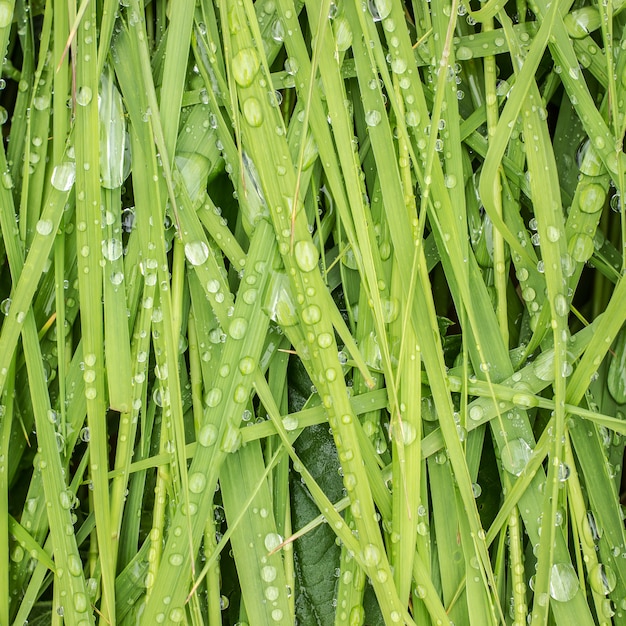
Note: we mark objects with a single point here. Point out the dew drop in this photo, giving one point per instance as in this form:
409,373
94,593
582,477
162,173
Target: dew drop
371,555
272,541
252,112
6,14
231,440
563,582
44,227
197,482
553,234
207,435
112,249
515,456
311,314
245,66
380,9
83,96
246,365
409,433
450,181
277,31
324,340
343,33
581,247
306,255
592,198
373,117
80,602
602,579
476,412
268,573
74,566
197,252
290,422
560,305
63,176
238,327
213,397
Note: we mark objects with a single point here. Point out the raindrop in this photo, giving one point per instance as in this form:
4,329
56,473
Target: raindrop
207,435
245,66
311,314
371,555
197,252
63,176
112,249
564,583
197,482
238,327
278,31
44,227
515,456
272,541
306,255
6,14
83,96
231,440
252,112
591,198
373,117
379,9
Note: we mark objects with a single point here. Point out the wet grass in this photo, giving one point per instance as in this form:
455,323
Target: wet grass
312,313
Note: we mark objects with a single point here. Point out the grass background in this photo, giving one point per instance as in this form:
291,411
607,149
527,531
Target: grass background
312,313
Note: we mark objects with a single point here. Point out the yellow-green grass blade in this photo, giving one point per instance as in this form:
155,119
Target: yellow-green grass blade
260,569
89,237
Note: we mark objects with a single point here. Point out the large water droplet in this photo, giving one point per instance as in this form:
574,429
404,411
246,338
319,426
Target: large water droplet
343,33
247,365
238,327
197,482
560,304
84,95
252,112
44,227
515,456
543,366
379,9
245,66
371,555
74,565
272,541
373,117
306,255
112,249
6,14
63,176
213,397
80,602
311,314
592,198
207,435
602,578
268,573
409,433
563,582
197,252
231,440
